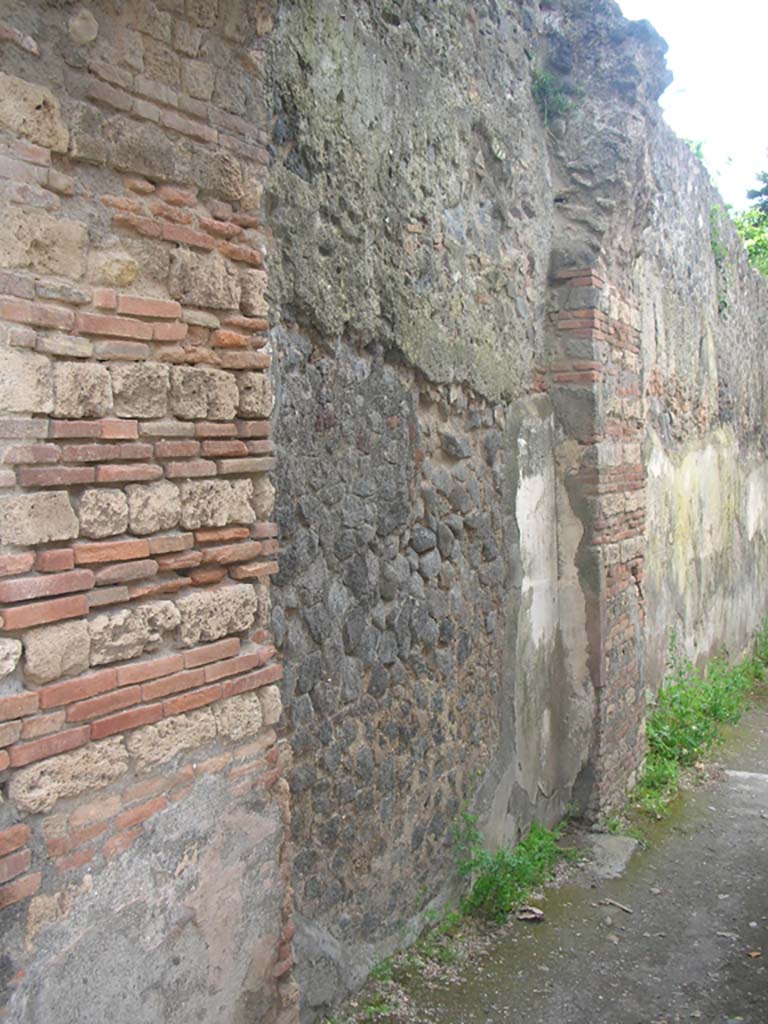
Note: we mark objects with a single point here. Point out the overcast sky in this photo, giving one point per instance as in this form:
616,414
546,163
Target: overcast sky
717,53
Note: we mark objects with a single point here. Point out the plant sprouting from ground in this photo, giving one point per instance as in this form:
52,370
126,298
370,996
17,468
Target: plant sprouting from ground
550,97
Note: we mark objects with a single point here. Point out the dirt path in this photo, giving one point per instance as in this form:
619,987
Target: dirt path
699,896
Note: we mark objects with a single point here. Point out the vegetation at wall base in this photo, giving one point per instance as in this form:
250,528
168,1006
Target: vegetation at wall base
689,714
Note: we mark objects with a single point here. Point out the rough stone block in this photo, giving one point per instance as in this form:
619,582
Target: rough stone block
39,241
26,383
33,112
239,716
103,512
51,652
199,392
27,519
129,632
253,287
36,788
81,390
10,652
203,280
271,704
153,507
216,503
255,395
140,389
211,614
155,744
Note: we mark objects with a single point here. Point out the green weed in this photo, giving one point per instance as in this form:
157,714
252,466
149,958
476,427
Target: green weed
550,97
688,717
505,878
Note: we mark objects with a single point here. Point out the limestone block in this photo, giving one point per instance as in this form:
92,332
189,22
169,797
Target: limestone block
10,652
255,395
216,503
153,507
211,614
203,280
81,390
36,788
116,268
103,512
263,498
51,652
198,392
131,631
26,383
239,716
140,389
154,744
39,241
33,112
253,284
197,79
27,519
271,704
82,27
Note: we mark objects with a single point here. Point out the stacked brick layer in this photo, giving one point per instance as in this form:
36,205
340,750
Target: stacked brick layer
136,542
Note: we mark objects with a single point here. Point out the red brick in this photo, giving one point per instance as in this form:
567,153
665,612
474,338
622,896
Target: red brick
194,129
11,564
193,468
39,612
12,838
222,533
248,465
229,339
20,889
223,228
194,699
97,707
236,360
207,576
265,676
141,671
107,595
172,684
172,213
89,452
31,453
70,739
254,570
74,860
105,298
4,760
270,547
142,225
139,305
241,253
176,449
57,694
115,98
113,326
205,428
225,554
37,314
175,331
58,476
137,450
119,843
139,185
177,196
251,324
31,152
124,720
254,428
10,732
260,447
30,587
125,351
234,666
126,474
18,705
164,543
219,448
137,592
97,810
181,560
212,652
110,551
120,430
136,815
138,570
160,784
187,236
76,428
42,725
55,560
59,845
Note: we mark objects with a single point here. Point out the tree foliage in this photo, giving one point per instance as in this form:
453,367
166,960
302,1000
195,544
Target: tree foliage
752,225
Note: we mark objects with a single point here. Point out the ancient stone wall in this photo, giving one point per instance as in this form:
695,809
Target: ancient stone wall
143,855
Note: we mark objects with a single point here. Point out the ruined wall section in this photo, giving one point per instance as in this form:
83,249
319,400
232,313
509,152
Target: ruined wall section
143,856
